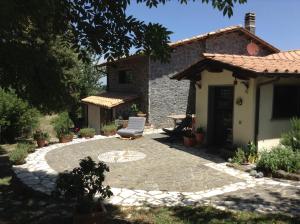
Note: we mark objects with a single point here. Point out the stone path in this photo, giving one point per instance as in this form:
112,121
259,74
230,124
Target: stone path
232,194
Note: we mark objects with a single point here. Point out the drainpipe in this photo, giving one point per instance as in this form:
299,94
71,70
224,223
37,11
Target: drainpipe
257,102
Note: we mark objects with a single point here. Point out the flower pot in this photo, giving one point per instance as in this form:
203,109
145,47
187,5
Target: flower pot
141,115
41,142
65,138
109,133
189,141
199,137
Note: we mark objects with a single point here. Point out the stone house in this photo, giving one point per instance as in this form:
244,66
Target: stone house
149,81
245,98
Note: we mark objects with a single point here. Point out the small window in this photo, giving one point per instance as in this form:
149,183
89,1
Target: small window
286,102
125,76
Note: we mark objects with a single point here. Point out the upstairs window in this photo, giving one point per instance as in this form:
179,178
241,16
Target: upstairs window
125,77
286,102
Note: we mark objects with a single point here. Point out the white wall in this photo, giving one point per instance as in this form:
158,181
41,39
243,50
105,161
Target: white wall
94,117
270,130
243,115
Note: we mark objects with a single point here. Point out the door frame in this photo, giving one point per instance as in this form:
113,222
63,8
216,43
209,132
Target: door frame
211,112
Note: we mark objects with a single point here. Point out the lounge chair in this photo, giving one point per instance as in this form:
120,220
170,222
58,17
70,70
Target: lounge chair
134,129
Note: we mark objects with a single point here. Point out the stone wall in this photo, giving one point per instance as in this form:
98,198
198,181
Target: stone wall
139,85
168,96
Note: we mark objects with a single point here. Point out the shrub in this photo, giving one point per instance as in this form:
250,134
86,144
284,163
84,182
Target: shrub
17,156
239,156
83,183
17,118
199,130
29,147
62,124
291,139
279,158
87,132
109,127
39,135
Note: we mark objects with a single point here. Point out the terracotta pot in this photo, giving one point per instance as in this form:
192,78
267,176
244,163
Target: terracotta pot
141,115
65,138
41,142
199,137
109,133
189,141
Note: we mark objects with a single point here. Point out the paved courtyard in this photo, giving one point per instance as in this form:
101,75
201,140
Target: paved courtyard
164,167
150,171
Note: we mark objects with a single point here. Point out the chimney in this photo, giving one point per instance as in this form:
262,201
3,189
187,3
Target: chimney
250,22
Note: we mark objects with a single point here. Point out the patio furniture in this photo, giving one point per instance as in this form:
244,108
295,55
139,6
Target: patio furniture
176,118
180,128
134,129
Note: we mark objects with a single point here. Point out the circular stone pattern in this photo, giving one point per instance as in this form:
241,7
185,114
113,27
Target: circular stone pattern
121,156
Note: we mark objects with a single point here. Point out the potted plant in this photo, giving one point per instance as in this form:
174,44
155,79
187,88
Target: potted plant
141,114
87,132
109,129
80,186
62,125
134,109
199,135
189,138
40,138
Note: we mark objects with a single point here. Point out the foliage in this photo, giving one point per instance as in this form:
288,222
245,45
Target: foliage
17,156
188,133
40,135
62,124
291,139
279,158
134,109
245,154
17,118
87,132
28,146
111,127
83,183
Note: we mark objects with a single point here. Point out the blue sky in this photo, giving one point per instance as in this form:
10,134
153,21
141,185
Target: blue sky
277,21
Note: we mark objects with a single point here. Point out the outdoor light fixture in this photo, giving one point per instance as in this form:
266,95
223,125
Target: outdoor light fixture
235,81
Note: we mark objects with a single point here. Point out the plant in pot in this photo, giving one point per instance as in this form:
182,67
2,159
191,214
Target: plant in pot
40,138
83,186
189,138
134,109
199,135
62,125
109,129
87,132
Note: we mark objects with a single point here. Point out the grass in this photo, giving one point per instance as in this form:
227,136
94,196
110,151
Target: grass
5,181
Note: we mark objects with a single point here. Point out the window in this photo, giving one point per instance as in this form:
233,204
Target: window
125,76
286,101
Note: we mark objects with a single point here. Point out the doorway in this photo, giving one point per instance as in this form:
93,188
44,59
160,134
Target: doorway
220,116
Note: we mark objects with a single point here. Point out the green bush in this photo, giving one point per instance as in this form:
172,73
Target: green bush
246,154
87,132
279,158
239,156
291,139
17,118
39,135
29,147
62,124
109,127
17,156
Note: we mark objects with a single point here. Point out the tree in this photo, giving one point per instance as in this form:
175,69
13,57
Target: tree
98,26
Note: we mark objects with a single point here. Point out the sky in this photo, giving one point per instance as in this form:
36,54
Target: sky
277,21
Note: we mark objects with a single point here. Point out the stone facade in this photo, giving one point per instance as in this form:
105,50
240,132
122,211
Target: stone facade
161,96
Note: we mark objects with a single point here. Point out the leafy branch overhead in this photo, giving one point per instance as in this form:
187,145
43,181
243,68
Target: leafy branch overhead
97,26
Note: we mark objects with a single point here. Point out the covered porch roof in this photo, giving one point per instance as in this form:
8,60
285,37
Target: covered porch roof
276,65
109,100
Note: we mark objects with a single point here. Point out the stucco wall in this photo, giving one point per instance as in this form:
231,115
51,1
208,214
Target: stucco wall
270,130
139,68
94,117
243,115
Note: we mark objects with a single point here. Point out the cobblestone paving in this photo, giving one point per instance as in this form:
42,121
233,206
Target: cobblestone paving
168,175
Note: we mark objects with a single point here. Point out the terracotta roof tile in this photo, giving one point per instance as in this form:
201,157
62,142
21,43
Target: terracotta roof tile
284,62
110,99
